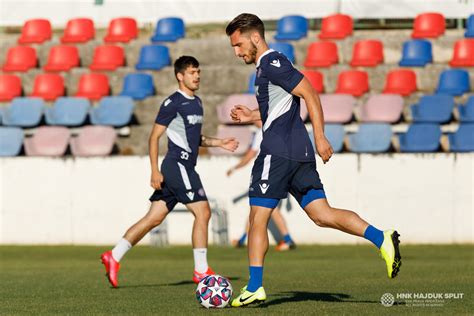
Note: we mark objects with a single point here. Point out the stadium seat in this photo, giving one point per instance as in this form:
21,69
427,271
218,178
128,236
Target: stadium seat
223,109
62,58
463,139
386,108
67,112
48,141
138,86
251,86
153,57
115,111
23,112
466,111
48,86
93,86
470,26
401,81
316,79
93,141
291,27
355,82
428,25
335,135
78,30
367,53
108,57
436,108
371,138
336,26
284,48
423,137
321,54
169,30
337,108
121,30
243,134
11,140
20,58
10,87
416,53
463,53
454,82
35,31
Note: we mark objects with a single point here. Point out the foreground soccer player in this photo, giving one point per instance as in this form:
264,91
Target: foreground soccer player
180,116
287,161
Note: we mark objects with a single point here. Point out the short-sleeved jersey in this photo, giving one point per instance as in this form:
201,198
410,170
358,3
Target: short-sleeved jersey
182,115
284,133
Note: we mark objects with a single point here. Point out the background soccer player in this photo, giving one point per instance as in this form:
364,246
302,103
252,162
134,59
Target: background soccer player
286,162
180,116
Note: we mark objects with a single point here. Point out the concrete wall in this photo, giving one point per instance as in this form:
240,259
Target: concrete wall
428,198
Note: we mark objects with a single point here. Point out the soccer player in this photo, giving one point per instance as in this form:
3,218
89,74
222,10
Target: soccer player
180,116
286,162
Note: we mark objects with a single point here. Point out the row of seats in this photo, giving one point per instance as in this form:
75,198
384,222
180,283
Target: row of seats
53,141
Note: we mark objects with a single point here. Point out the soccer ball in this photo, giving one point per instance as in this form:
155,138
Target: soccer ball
214,291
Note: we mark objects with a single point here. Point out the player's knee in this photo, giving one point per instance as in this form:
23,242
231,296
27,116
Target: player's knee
203,215
323,219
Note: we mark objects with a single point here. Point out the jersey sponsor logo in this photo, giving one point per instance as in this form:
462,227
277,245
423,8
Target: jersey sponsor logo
276,63
190,195
264,187
168,101
194,119
184,103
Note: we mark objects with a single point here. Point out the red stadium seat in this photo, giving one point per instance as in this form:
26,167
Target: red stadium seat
401,81
93,86
78,30
10,87
20,58
321,54
62,58
108,57
35,31
463,54
316,79
121,30
336,26
428,25
367,53
355,82
48,86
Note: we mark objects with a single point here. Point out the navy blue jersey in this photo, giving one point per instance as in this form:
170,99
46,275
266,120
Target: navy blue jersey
182,115
284,133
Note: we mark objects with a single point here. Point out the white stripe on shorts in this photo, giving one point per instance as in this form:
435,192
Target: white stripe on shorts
185,177
266,167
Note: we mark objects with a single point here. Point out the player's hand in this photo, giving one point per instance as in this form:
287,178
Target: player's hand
229,144
241,114
324,148
156,180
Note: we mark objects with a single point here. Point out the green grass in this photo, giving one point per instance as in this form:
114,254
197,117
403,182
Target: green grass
310,280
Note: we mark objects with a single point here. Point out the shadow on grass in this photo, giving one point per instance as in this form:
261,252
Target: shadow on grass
180,283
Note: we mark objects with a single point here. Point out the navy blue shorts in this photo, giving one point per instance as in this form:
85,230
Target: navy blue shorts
273,177
181,184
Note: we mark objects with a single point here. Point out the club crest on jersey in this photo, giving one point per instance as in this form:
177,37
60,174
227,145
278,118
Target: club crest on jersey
194,119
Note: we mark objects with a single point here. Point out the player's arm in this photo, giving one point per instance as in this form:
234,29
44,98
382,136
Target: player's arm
229,143
153,145
249,155
242,114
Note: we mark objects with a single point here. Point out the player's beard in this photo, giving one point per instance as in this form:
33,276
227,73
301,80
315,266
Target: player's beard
252,54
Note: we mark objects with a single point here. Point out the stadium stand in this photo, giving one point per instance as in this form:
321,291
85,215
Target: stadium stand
115,111
223,109
138,86
463,139
466,112
93,86
169,30
108,57
35,31
436,108
80,30
337,108
463,53
335,135
336,26
430,24
454,82
251,84
20,58
370,138
416,53
153,57
23,112
243,134
291,27
48,141
355,82
401,81
315,78
470,26
11,141
423,137
321,54
68,112
121,30
93,141
284,48
367,53
62,58
48,86
382,108
10,87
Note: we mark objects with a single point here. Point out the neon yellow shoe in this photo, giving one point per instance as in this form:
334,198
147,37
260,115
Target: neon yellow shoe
246,297
391,253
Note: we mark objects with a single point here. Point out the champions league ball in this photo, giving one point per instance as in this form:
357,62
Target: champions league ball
214,291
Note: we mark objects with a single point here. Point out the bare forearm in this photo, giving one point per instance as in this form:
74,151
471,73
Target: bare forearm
256,115
316,115
153,145
207,141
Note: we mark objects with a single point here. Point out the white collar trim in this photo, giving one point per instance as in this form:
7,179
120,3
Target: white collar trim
185,95
261,56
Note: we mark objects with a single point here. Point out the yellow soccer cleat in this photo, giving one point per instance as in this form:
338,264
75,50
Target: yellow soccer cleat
246,297
391,253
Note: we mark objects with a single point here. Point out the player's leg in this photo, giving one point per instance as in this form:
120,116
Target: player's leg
287,243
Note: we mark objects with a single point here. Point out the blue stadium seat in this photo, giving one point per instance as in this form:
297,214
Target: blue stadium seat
68,112
11,140
168,30
23,112
423,137
252,78
470,26
153,57
291,27
371,138
334,134
416,53
138,86
284,48
463,139
114,111
454,82
437,108
466,112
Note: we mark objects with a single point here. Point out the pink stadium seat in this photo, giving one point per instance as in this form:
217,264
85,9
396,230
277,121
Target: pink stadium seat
223,110
20,58
78,30
321,54
93,141
93,86
35,31
48,141
401,81
463,54
121,30
355,82
108,57
367,53
62,58
48,86
337,108
385,108
242,133
316,79
336,26
10,87
428,24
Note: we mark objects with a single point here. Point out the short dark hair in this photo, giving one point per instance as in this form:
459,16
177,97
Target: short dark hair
184,62
246,22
